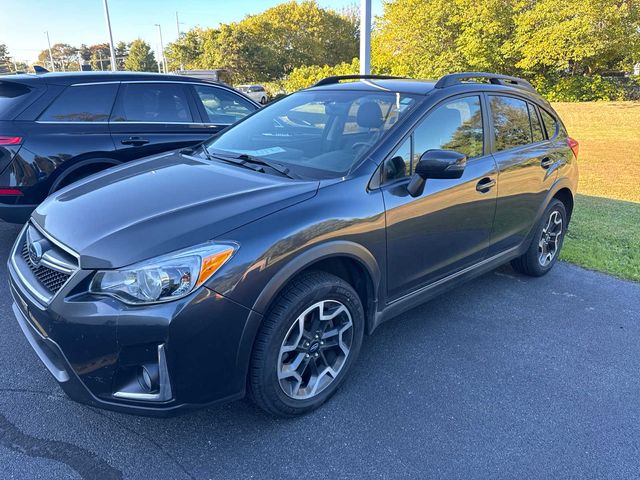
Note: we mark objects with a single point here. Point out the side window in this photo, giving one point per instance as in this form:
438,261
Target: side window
83,103
399,165
152,102
550,123
456,125
510,122
223,107
536,128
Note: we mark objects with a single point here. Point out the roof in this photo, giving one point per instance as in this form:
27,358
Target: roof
400,85
67,78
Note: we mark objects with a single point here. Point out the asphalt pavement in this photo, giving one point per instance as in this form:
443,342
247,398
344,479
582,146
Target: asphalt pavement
504,377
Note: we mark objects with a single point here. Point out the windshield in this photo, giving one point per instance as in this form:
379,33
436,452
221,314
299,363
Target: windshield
318,134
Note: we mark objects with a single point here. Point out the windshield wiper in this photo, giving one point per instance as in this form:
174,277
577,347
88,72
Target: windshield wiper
231,160
260,161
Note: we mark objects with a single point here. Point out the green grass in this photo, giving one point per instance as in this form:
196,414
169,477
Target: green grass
604,234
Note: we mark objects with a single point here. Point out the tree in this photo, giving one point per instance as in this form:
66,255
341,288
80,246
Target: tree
141,58
122,52
65,57
100,56
428,38
5,60
270,45
577,36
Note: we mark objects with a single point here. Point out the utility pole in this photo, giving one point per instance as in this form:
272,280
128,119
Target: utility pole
111,48
100,60
53,67
177,25
365,37
162,59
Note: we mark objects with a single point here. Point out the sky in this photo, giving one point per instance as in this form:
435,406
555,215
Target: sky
23,22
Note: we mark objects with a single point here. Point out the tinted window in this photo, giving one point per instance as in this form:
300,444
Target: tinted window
399,165
550,123
152,102
456,125
510,122
11,95
222,106
536,128
84,103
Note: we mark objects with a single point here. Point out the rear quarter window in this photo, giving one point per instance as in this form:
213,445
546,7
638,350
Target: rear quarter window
550,123
82,103
12,94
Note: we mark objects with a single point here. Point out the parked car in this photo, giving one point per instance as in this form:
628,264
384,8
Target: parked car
218,75
260,259
257,93
56,128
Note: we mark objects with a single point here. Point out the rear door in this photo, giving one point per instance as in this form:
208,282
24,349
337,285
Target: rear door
526,168
154,117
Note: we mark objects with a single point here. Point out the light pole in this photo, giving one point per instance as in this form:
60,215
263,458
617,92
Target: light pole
53,67
365,37
111,48
178,24
162,59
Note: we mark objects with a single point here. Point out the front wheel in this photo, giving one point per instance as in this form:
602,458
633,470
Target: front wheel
546,243
306,345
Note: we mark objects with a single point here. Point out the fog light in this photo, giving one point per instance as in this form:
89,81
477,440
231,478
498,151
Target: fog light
150,382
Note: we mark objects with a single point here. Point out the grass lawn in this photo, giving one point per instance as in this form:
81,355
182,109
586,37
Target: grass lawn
605,230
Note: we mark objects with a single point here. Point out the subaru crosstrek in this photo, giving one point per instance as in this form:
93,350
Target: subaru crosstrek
257,261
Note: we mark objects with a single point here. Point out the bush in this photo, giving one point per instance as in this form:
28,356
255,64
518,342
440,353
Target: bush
586,89
304,77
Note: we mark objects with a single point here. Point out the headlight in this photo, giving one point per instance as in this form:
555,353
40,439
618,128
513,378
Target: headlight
164,278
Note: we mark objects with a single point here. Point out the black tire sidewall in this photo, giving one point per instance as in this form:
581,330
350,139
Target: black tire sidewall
534,263
331,289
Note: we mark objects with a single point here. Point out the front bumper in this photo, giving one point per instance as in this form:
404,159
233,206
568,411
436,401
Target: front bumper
93,346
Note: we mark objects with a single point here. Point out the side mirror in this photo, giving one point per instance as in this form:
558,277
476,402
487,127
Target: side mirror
440,164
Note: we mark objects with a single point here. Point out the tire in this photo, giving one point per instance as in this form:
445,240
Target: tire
263,101
544,251
272,384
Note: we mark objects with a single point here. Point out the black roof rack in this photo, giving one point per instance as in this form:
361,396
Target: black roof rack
495,78
338,78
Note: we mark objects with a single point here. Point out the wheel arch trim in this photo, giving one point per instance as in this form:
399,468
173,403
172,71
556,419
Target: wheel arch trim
81,164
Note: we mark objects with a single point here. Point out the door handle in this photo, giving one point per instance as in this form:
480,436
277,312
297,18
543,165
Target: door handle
546,162
486,184
135,141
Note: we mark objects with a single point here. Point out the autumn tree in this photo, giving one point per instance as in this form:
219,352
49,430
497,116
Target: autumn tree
65,57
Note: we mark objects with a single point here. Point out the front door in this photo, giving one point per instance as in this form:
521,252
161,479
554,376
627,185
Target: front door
448,226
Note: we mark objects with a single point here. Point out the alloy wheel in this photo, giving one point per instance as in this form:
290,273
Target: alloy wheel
550,238
315,349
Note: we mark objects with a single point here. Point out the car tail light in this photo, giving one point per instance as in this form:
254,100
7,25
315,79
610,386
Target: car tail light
4,140
574,146
10,191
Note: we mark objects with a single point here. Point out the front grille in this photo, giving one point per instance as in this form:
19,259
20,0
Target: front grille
42,265
51,279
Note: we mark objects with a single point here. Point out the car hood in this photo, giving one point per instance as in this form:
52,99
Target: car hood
161,204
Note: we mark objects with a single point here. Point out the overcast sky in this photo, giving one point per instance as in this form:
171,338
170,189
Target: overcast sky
23,22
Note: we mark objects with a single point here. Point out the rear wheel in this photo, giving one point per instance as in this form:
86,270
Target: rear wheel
307,344
546,244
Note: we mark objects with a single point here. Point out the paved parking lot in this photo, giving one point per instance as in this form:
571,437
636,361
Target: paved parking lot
506,377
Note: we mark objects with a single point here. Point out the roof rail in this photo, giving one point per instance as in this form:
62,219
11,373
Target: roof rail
494,78
337,78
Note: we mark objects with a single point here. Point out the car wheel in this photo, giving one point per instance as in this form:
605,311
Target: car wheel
306,345
263,101
547,241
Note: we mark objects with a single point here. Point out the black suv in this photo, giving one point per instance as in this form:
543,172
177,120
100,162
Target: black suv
56,128
261,258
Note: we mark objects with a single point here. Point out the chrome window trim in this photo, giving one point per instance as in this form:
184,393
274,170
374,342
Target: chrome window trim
78,122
